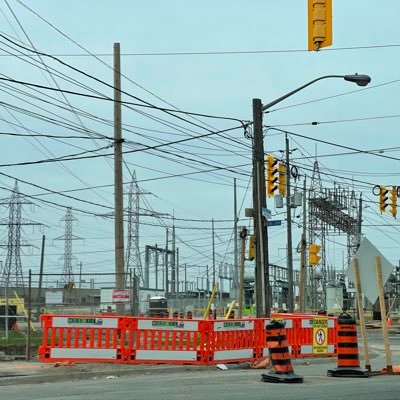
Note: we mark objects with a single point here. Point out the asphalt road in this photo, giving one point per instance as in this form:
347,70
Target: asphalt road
231,384
211,383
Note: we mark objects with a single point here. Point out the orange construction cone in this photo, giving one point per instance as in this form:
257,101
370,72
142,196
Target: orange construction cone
348,363
281,363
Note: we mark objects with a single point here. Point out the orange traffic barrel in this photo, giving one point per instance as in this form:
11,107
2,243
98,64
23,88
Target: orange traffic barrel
281,363
348,362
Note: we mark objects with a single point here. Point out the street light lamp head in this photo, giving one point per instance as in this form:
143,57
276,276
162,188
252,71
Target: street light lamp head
360,80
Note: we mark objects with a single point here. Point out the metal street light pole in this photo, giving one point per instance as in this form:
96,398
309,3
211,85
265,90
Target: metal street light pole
262,289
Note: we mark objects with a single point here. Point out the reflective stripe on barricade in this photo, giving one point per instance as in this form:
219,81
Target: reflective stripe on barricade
81,338
231,341
167,340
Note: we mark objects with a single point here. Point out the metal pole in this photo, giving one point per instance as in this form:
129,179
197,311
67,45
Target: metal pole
118,180
213,253
243,235
146,265
173,262
156,262
29,319
303,257
177,269
41,268
289,230
166,264
235,241
6,305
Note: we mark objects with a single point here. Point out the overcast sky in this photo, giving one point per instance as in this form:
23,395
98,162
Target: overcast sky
211,58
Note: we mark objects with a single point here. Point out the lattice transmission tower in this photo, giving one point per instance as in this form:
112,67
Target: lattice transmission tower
12,272
67,276
132,256
332,212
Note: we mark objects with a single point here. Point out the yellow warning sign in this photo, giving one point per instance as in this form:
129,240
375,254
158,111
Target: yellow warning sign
320,336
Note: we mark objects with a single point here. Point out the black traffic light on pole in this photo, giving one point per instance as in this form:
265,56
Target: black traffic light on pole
393,200
272,178
383,198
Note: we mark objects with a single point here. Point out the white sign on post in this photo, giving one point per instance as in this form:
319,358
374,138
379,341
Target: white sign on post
366,254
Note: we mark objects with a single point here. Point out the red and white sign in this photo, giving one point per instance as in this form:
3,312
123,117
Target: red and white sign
121,296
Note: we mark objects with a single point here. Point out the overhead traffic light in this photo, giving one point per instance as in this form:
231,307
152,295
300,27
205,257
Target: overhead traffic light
282,178
383,198
313,257
252,241
319,24
393,201
272,172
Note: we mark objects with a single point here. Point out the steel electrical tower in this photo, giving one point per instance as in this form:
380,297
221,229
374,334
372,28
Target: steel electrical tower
332,211
67,276
12,273
132,256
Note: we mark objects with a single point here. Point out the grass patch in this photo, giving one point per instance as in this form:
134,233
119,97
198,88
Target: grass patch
18,339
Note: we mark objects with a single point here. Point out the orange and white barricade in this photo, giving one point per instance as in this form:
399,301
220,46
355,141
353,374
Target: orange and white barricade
81,338
167,340
231,341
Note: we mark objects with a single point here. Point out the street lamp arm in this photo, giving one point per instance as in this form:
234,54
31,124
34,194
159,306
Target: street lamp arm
360,80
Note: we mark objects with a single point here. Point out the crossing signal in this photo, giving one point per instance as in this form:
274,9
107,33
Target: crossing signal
252,242
313,257
319,24
383,198
282,178
393,201
272,171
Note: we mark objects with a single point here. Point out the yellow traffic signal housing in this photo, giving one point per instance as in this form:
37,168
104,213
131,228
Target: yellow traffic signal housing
282,178
393,201
319,24
314,258
383,198
272,178
252,242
